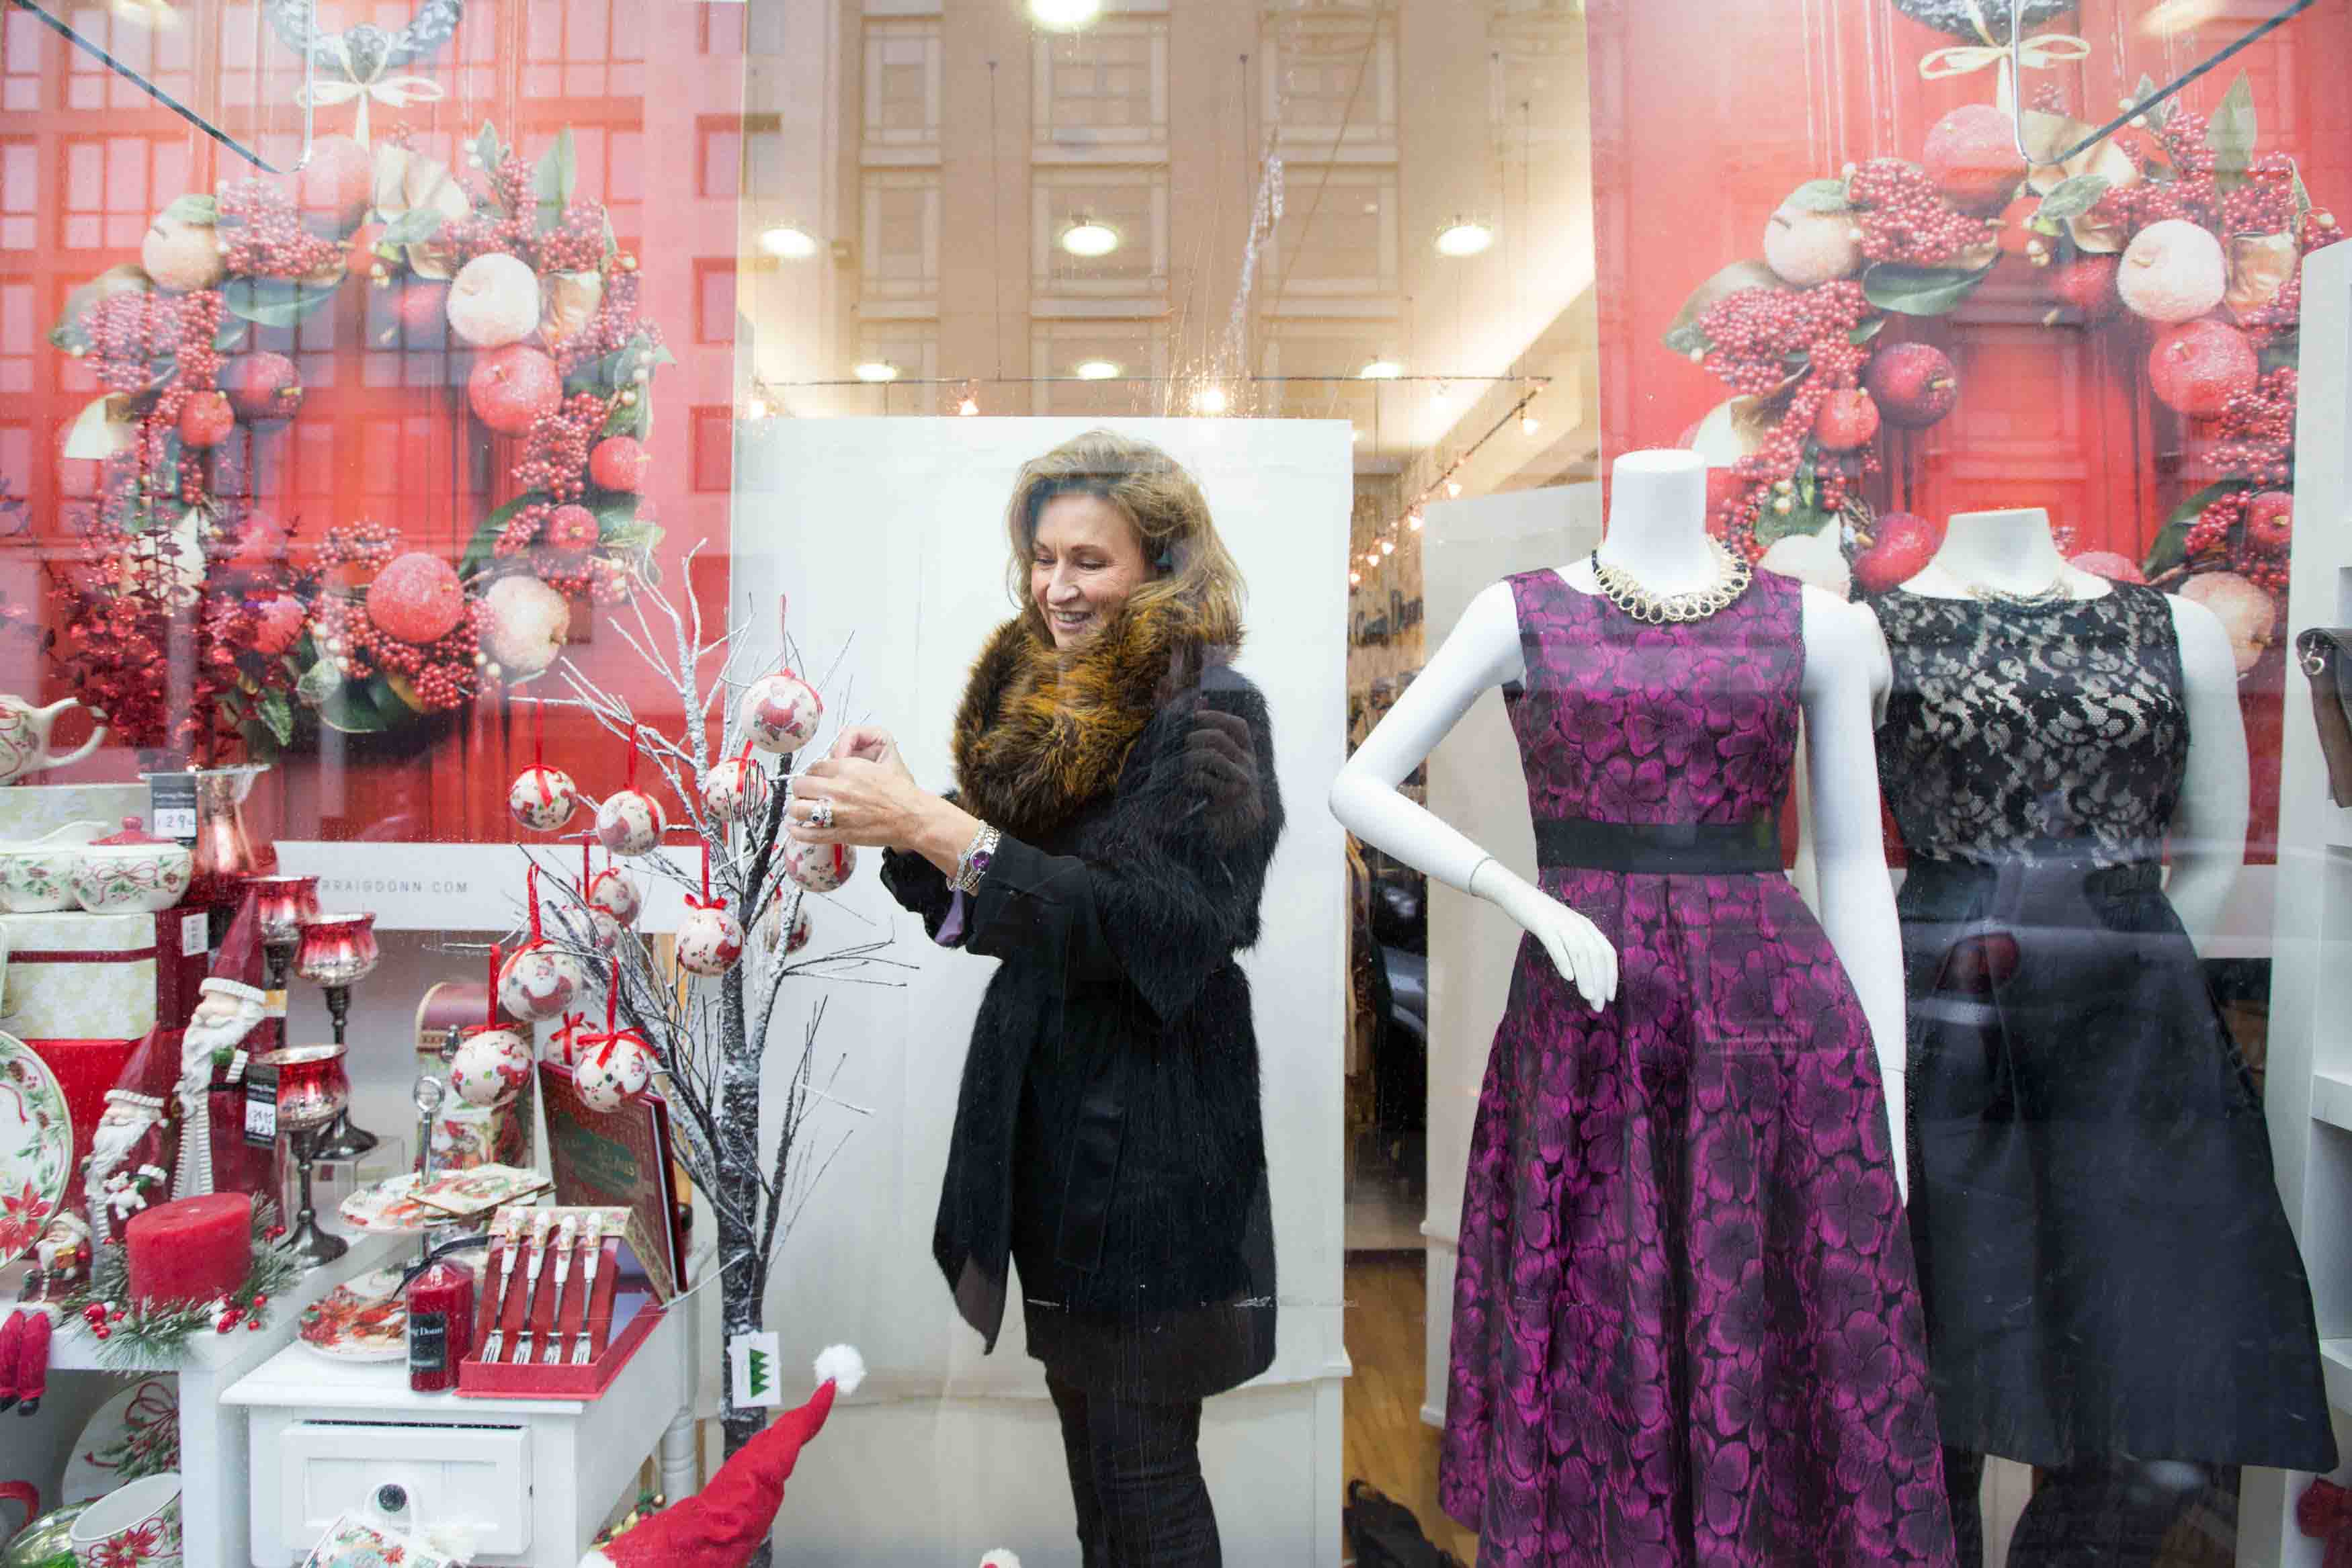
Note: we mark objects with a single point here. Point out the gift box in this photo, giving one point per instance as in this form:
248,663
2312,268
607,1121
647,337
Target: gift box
85,1069
73,975
614,1315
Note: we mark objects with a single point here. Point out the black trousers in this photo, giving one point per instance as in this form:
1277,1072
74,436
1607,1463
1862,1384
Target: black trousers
2111,1513
1135,1475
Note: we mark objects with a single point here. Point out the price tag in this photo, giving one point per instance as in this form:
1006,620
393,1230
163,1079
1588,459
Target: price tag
260,1105
196,935
174,823
172,805
755,1359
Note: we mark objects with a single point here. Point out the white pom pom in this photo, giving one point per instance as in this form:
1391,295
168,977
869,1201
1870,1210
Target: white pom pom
596,1559
841,1365
999,1558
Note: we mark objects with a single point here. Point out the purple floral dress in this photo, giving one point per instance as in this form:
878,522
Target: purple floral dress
1687,1328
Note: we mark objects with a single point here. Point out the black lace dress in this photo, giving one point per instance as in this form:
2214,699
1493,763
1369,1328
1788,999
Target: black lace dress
2107,1267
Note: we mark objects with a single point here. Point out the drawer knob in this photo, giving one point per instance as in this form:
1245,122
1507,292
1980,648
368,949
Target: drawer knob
391,1498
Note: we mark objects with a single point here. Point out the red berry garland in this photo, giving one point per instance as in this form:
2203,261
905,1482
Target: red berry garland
1903,217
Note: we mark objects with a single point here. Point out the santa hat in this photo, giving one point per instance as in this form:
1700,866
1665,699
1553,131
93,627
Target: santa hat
152,1072
236,972
725,1522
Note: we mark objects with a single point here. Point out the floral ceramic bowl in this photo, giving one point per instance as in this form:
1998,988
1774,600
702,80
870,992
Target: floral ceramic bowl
37,875
131,871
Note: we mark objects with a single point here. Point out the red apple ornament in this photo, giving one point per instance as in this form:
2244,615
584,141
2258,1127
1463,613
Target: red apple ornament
205,419
1913,384
417,597
2197,367
1847,420
513,387
1971,155
618,463
263,387
2270,521
1901,543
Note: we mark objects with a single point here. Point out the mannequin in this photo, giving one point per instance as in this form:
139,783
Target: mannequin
1657,531
2013,551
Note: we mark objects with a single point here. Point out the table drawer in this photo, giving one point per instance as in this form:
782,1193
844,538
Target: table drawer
476,1477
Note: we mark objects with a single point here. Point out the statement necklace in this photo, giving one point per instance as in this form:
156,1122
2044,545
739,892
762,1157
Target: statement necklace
2057,591
1627,592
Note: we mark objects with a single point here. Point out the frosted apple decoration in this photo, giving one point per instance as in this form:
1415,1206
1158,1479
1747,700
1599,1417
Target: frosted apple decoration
512,388
820,868
539,981
489,1067
779,713
542,799
736,790
1806,247
205,419
181,256
528,622
2247,612
263,387
709,939
616,892
2112,565
417,597
2172,271
494,301
1902,544
2198,366
614,1069
630,823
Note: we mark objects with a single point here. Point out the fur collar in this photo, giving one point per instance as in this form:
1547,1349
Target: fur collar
1042,734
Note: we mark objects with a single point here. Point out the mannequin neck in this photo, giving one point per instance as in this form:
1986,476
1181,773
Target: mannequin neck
2009,550
1657,522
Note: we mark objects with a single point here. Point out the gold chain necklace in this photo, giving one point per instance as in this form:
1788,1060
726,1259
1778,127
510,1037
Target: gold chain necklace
1628,593
2057,590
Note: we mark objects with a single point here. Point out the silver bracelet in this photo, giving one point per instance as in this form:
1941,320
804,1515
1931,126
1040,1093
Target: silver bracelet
973,864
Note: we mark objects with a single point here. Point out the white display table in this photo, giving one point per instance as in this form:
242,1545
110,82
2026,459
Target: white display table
533,1478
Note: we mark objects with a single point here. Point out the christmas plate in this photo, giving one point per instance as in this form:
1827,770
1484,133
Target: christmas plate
483,1187
134,1434
359,1320
36,1147
392,1207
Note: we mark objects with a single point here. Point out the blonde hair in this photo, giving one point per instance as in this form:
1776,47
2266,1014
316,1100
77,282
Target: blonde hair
1191,565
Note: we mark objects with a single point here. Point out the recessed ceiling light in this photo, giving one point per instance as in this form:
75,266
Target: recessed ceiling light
787,243
968,407
1209,400
756,409
1464,236
1095,369
875,370
1530,425
1412,521
1381,371
1088,238
1354,432
1064,16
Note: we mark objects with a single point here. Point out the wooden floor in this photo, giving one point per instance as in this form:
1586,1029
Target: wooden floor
1386,1443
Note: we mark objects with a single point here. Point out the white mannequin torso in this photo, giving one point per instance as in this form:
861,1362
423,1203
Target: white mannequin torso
1657,533
2013,551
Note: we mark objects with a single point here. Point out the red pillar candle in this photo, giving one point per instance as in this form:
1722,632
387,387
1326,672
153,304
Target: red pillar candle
440,1325
191,1250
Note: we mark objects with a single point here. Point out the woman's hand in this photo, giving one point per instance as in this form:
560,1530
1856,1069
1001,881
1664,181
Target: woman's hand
870,797
869,743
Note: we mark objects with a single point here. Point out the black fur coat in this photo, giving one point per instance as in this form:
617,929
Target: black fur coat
1107,1135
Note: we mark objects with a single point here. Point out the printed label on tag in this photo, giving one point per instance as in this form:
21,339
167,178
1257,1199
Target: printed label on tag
174,823
195,933
428,1342
753,1358
172,805
262,1106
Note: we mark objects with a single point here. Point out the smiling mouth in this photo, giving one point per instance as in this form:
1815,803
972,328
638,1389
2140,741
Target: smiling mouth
1070,620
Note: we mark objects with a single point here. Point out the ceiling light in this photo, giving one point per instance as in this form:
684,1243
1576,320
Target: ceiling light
1064,16
787,243
1464,237
1209,400
1388,547
1354,432
1088,238
968,407
756,409
1381,371
1530,425
1412,521
1097,370
1453,489
875,370
1355,580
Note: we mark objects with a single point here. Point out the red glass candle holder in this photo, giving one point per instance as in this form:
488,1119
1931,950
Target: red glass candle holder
313,1086
281,903
336,950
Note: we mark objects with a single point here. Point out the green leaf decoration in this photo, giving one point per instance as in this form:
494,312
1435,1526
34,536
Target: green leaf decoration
1819,196
1687,339
272,301
1772,527
1867,330
623,420
554,178
231,333
276,711
2230,134
489,150
2162,112
2071,198
2170,547
482,549
1921,290
201,211
352,709
319,682
615,517
414,226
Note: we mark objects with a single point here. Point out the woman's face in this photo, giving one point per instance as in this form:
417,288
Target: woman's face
1084,564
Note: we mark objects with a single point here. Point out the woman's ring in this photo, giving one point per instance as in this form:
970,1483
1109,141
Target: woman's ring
821,813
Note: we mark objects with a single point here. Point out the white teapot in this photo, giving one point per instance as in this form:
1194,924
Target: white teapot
24,737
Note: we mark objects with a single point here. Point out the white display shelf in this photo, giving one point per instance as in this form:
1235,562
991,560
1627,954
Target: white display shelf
2336,1361
2331,1102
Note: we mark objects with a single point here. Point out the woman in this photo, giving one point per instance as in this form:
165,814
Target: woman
1108,841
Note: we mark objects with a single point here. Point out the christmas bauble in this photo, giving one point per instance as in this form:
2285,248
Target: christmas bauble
736,790
630,823
542,799
489,1067
613,1072
604,931
803,928
708,940
616,892
539,981
820,868
779,713
563,1047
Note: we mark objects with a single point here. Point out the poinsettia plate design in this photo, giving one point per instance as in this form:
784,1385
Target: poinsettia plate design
36,1147
359,1320
389,1208
134,1434
355,1543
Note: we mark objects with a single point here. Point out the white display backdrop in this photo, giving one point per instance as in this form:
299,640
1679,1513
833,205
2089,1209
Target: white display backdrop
885,535
1476,784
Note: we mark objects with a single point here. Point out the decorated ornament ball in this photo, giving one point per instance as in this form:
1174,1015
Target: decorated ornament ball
708,940
613,1072
539,981
616,892
542,799
630,823
491,1065
779,713
565,1045
736,790
820,868
494,301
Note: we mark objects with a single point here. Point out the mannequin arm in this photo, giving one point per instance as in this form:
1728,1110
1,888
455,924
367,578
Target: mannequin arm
1857,897
2208,829
1481,651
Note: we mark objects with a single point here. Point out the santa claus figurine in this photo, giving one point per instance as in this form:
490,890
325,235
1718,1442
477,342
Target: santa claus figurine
725,1522
174,1123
